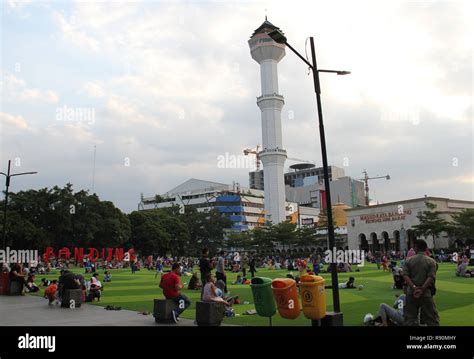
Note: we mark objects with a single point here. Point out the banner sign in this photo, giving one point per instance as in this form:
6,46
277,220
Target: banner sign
78,254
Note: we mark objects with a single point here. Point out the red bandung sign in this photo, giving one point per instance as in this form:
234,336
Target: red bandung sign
107,254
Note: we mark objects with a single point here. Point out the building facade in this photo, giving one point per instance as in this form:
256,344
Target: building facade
389,226
245,207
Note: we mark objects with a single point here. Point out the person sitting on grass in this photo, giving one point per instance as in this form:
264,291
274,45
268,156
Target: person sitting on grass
170,283
31,286
194,282
461,269
210,293
50,292
107,277
45,282
238,280
398,280
393,314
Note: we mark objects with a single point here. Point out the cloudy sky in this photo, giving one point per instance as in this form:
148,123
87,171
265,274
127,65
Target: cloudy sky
162,88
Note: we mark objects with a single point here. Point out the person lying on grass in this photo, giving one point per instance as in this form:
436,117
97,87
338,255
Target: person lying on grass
346,285
238,280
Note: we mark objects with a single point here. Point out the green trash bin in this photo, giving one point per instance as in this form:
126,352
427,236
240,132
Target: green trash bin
263,296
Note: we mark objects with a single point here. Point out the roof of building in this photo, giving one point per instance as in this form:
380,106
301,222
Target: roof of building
408,201
194,184
266,27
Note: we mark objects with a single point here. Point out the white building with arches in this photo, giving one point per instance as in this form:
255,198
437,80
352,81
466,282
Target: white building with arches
389,226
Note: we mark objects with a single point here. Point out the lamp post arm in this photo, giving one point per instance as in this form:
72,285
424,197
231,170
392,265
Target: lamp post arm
23,173
299,55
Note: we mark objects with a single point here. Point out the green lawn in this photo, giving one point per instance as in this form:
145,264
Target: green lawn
454,298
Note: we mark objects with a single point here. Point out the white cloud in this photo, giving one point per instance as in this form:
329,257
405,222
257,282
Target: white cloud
173,86
93,89
13,88
12,122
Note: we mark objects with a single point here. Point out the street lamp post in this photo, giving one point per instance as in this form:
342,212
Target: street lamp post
8,177
279,37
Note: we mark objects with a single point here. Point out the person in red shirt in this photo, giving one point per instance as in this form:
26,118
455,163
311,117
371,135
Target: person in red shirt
170,283
50,292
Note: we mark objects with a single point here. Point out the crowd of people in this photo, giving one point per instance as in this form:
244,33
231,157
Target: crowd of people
54,289
415,275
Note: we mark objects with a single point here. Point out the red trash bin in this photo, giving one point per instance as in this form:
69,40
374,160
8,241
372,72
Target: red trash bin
4,283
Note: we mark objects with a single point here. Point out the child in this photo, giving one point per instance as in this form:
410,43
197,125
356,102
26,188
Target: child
238,280
107,277
50,292
385,263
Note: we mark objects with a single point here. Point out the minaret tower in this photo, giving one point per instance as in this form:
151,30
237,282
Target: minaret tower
268,53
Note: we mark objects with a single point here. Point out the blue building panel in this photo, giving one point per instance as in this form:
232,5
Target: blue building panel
228,198
235,218
240,227
229,209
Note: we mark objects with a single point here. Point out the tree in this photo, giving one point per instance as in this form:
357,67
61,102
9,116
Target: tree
262,238
148,234
284,233
431,224
60,217
306,236
240,240
206,229
323,219
462,225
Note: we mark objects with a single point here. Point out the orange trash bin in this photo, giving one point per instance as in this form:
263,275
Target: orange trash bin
286,297
313,296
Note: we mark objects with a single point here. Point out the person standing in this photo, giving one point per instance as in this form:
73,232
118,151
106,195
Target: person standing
220,270
171,285
205,267
419,272
252,266
245,261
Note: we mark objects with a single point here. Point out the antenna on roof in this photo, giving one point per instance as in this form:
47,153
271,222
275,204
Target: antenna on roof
265,14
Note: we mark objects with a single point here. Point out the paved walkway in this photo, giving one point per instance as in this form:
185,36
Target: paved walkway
35,311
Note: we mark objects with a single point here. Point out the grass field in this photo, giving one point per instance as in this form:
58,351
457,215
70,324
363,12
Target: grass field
454,298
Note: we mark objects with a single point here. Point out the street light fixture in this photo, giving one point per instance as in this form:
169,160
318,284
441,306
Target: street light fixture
280,38
8,177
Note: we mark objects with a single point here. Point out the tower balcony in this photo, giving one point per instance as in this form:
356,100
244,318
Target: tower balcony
271,101
273,155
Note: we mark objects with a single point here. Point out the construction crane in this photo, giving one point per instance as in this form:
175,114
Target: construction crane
256,152
366,181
